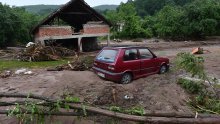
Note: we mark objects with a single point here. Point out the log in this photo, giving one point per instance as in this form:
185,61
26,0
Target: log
181,115
47,113
167,118
32,96
151,114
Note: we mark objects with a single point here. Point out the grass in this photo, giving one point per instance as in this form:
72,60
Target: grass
13,64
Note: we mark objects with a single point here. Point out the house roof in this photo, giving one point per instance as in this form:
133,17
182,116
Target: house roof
75,13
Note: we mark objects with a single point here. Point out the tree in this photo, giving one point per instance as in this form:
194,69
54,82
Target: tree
9,22
127,15
194,20
27,21
202,18
168,23
15,25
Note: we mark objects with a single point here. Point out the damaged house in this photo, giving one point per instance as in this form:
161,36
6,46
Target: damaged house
75,25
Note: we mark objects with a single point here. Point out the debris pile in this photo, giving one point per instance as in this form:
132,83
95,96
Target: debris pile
37,52
81,63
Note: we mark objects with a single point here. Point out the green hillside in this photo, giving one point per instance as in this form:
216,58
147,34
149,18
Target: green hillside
106,7
41,9
45,9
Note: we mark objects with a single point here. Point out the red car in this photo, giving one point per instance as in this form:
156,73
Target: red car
123,64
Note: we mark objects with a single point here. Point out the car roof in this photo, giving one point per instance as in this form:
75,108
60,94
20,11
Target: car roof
124,47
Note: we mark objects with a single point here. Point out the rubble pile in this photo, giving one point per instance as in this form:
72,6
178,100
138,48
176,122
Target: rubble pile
37,52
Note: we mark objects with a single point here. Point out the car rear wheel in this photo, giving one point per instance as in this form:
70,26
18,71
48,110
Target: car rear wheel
126,78
163,69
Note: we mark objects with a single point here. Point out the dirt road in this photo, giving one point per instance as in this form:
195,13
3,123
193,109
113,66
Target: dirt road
158,93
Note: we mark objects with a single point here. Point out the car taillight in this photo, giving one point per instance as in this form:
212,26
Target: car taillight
111,67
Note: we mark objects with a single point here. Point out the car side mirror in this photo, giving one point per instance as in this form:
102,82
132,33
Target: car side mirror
155,56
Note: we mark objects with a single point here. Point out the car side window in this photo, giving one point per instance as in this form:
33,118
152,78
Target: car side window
130,54
145,54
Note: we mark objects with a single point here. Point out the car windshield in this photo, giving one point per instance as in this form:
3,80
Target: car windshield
107,55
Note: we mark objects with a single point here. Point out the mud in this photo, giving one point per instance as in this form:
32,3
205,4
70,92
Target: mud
156,93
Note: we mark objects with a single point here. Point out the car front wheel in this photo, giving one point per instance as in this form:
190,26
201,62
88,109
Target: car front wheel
126,78
163,69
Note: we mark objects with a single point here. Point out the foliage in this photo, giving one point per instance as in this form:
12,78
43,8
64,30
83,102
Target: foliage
168,22
133,29
204,99
195,66
191,63
132,24
22,112
194,20
35,111
133,111
72,99
27,22
172,19
15,24
150,7
202,18
191,86
9,22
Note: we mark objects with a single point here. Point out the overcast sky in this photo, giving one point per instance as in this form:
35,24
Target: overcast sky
58,2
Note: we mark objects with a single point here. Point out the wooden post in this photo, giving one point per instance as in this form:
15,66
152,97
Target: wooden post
108,42
42,42
80,44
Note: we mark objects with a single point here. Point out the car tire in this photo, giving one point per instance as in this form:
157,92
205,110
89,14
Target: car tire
126,78
163,69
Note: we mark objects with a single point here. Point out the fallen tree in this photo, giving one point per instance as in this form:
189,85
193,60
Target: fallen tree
85,110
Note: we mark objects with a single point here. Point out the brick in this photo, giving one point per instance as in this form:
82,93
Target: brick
54,31
95,29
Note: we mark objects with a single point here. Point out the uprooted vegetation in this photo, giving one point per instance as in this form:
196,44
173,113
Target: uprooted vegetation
205,96
201,99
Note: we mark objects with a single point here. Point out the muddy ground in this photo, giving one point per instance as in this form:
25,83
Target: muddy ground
158,93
